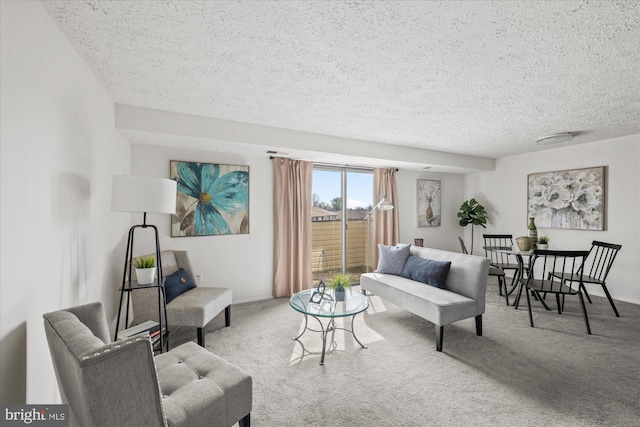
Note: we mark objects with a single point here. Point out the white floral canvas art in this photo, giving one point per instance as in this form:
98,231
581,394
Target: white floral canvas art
571,199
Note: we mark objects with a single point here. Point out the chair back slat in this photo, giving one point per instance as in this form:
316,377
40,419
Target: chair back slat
604,255
559,263
502,240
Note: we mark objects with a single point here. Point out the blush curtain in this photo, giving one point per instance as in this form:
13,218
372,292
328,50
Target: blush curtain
386,229
292,226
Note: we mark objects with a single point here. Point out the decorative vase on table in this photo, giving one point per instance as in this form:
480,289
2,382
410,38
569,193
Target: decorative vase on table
340,295
532,231
524,243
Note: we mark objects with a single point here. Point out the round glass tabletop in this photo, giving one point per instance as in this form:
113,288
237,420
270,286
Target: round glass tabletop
354,303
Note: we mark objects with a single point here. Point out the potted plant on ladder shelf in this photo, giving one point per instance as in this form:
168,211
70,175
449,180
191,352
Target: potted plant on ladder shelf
145,270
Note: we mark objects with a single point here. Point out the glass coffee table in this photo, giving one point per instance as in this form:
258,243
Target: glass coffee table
326,307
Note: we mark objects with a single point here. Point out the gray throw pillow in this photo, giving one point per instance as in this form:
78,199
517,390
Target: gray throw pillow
393,258
427,271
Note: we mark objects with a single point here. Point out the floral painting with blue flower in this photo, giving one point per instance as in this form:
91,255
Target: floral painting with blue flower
571,199
212,199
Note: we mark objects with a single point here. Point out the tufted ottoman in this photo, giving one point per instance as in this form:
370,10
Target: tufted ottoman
224,391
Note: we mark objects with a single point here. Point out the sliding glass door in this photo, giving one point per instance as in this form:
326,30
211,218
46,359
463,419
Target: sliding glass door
340,229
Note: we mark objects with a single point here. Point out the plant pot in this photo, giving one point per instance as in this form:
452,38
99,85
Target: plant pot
340,295
543,246
145,276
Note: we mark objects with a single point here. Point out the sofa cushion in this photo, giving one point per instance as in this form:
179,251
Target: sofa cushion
438,306
176,284
393,259
427,271
198,306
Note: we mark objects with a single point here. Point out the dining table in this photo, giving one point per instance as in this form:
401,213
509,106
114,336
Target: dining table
518,281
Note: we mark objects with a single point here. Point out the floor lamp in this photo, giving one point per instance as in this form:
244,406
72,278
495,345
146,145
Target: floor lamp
142,194
383,205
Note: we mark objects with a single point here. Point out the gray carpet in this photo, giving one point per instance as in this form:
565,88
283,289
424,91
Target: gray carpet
551,375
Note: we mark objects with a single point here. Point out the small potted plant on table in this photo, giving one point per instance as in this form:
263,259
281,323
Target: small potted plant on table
145,270
543,242
339,283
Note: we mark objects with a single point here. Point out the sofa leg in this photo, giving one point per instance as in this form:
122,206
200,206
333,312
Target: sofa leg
246,421
439,337
227,316
479,325
201,337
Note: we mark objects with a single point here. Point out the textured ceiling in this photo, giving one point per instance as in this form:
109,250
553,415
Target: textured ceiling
484,78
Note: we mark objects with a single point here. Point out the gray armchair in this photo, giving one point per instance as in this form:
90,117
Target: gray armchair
195,308
122,384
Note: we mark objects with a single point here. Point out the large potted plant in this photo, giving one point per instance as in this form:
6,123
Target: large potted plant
145,270
472,212
339,283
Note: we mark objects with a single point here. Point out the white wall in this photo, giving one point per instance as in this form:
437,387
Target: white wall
245,262
452,195
504,194
242,262
59,150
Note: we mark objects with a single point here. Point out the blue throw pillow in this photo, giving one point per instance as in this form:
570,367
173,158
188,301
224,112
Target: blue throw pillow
392,259
176,284
427,271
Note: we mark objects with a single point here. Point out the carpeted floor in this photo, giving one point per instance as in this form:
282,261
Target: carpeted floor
551,375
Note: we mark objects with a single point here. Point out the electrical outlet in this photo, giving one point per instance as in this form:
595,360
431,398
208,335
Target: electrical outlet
199,278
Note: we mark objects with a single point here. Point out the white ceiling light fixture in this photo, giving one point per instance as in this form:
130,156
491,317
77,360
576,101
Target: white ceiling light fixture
555,138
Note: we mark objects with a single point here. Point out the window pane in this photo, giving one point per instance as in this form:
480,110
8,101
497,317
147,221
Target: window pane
359,203
327,220
326,234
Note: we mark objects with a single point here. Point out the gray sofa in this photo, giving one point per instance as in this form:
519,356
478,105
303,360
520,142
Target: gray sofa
121,383
462,297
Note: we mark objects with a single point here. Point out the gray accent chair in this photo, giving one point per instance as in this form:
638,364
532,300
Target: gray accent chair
122,384
194,308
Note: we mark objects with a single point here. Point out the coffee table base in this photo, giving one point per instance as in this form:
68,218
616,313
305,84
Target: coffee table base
331,327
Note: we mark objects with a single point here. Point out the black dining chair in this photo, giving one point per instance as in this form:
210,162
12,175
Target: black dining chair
553,266
501,260
598,269
493,271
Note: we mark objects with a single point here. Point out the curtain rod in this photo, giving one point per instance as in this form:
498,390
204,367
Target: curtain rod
332,165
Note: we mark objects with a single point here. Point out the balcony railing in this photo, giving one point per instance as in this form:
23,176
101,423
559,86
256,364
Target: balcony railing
326,248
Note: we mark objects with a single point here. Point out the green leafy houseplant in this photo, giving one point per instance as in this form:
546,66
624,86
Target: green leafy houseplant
145,262
340,282
544,240
472,212
145,269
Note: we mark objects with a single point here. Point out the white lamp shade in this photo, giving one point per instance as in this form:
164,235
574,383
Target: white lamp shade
130,193
384,204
